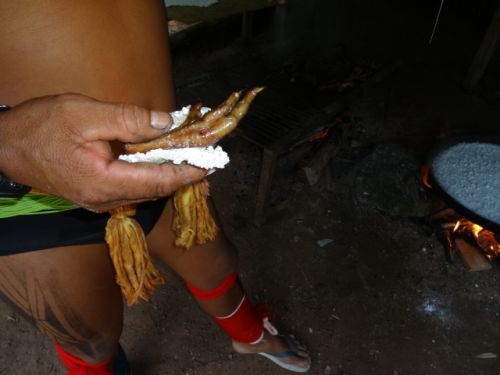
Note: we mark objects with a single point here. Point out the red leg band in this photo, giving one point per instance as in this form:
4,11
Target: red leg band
78,367
219,291
244,324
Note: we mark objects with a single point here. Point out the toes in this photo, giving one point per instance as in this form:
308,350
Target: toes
301,350
299,345
303,354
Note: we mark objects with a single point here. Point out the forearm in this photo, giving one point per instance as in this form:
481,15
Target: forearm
8,187
5,151
115,55
3,108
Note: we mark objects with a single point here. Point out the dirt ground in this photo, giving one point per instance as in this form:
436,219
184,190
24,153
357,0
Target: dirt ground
350,265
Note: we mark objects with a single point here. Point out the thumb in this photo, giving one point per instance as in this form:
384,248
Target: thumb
126,123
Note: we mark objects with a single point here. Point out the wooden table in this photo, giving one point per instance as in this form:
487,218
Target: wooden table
222,9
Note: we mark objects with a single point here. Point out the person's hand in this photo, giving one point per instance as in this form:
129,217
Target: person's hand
60,145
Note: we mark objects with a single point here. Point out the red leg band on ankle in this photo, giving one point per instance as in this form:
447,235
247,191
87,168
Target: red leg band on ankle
219,291
244,324
76,366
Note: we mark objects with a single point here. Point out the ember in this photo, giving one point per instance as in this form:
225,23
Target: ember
486,240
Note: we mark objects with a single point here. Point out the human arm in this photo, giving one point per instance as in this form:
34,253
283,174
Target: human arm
60,145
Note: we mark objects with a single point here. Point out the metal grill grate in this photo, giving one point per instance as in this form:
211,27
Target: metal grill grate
278,124
269,121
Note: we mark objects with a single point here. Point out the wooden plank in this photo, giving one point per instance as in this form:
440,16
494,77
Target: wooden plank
472,257
269,159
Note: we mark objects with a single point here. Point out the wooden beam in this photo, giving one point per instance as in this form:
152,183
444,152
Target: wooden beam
484,54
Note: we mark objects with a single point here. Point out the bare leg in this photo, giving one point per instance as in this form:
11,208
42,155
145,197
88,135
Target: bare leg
206,267
70,294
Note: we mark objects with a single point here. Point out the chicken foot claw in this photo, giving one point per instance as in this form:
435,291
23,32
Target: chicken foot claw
204,131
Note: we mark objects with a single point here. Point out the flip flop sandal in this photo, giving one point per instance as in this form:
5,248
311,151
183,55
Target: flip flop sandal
121,365
292,351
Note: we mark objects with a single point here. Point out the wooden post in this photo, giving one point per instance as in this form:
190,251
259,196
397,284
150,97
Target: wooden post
269,159
484,54
247,25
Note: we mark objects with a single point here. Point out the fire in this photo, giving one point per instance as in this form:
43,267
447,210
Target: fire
425,176
453,225
483,238
472,227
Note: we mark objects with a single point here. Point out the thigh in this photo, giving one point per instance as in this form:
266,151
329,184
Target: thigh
205,266
70,294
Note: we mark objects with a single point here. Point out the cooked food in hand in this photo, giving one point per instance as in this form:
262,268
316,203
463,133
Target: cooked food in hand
203,130
192,222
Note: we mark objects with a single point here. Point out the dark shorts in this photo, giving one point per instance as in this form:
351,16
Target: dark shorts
74,227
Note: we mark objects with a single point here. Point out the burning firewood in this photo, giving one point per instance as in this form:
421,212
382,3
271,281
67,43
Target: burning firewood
473,259
477,246
486,240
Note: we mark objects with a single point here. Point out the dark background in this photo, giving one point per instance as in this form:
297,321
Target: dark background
380,297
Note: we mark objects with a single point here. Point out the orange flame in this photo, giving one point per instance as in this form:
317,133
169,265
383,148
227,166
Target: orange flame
425,176
486,240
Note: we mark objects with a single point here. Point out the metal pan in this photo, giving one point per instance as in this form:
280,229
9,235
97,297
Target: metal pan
465,172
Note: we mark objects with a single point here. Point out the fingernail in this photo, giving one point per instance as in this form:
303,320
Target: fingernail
160,120
210,171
